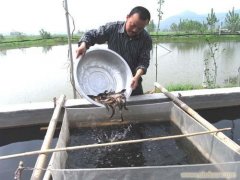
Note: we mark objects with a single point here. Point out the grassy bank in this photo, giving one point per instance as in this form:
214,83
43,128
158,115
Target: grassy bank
186,87
183,37
12,42
183,87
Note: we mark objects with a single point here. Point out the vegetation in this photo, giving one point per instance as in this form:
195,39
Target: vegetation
177,87
160,13
232,21
1,37
230,25
44,34
212,20
182,87
210,64
189,26
151,26
187,87
23,41
186,30
187,37
11,42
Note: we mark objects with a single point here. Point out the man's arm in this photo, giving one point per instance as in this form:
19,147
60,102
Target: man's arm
143,62
136,77
94,36
144,56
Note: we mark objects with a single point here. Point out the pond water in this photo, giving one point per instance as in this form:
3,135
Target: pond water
20,140
225,118
40,73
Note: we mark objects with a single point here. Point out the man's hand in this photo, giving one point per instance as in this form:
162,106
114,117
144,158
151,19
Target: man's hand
81,50
134,83
135,79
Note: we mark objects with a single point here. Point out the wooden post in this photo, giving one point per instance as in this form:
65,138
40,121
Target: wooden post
198,118
70,49
37,173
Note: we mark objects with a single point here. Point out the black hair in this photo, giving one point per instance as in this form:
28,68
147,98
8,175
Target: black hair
142,11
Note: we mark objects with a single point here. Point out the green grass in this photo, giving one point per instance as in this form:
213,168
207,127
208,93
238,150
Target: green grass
12,42
182,37
177,87
182,87
186,87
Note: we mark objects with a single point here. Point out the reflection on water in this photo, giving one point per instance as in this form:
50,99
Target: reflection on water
40,73
185,64
230,48
232,80
45,49
29,75
186,47
3,52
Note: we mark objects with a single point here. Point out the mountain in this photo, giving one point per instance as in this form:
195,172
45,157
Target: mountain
165,24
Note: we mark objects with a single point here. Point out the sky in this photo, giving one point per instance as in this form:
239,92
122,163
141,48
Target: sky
29,16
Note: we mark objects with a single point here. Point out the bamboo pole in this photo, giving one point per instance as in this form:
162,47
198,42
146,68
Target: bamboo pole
198,118
70,49
48,139
111,144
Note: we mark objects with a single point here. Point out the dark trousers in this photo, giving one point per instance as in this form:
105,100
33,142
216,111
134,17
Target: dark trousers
139,89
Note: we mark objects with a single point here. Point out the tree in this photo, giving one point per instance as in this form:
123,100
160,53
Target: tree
160,13
1,37
44,34
212,20
151,26
16,33
19,35
232,21
190,26
174,27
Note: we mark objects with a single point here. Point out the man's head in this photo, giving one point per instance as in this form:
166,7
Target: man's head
136,21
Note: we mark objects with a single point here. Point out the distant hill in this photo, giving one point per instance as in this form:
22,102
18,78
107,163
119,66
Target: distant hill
165,24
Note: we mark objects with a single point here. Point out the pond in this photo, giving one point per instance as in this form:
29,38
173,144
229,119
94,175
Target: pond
21,140
225,117
39,74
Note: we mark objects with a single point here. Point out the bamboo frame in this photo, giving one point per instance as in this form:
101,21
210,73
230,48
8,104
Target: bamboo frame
41,161
231,144
111,144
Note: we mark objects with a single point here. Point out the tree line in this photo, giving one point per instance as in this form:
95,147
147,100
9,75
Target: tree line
212,24
231,24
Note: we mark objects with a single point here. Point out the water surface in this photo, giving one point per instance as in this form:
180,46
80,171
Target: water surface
39,74
156,153
20,140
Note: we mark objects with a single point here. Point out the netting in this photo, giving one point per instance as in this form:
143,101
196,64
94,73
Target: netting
224,161
206,171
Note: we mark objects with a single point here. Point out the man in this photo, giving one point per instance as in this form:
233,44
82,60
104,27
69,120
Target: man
129,39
